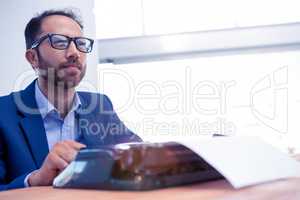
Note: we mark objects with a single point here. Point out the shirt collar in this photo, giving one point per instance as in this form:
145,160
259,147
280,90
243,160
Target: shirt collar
45,107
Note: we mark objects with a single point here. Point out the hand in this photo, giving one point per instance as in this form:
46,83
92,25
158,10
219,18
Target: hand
57,160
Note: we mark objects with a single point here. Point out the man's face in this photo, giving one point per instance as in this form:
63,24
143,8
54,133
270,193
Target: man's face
60,67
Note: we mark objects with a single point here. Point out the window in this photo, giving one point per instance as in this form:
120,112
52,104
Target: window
256,95
121,18
232,94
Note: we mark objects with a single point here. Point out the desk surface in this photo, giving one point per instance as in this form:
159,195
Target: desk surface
288,189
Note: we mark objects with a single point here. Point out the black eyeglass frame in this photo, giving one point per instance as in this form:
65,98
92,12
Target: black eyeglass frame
36,43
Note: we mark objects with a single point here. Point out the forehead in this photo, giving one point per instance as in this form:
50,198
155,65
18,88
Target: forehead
61,25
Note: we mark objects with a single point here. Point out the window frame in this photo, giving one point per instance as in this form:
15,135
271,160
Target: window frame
257,39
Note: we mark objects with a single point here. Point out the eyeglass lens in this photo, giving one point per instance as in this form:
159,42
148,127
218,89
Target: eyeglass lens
63,42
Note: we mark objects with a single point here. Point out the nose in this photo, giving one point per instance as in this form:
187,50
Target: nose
72,52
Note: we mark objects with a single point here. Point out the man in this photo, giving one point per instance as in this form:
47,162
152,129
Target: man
44,126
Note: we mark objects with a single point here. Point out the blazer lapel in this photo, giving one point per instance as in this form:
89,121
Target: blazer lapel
90,127
32,124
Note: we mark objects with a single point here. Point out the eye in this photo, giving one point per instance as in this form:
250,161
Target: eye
59,41
82,42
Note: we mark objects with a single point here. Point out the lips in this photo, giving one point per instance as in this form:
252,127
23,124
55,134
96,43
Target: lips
70,66
78,66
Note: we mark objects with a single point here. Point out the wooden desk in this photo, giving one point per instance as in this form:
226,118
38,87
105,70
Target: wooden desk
288,189
221,190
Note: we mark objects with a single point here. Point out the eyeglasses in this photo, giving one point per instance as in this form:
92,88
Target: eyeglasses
62,42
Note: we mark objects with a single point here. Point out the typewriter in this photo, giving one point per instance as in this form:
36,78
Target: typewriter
135,166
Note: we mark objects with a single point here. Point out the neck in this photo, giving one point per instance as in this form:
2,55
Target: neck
60,96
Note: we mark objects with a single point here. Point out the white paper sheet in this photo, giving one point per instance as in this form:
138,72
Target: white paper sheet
245,161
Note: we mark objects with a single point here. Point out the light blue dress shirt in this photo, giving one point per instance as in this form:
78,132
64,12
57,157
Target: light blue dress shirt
57,129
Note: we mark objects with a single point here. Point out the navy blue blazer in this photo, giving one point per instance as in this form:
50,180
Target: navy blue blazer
23,141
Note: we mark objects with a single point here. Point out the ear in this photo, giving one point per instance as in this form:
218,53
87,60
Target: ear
32,58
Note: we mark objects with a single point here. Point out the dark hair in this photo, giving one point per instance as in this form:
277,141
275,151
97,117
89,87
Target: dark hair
33,27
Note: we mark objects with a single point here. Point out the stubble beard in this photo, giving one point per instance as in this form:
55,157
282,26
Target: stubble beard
55,76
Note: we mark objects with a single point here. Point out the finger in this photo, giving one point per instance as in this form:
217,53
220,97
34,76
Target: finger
64,151
67,153
74,144
57,162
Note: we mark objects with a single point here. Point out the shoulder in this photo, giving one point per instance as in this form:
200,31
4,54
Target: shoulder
8,108
7,101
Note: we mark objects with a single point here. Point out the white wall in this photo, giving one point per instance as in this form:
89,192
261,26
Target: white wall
14,14
246,94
